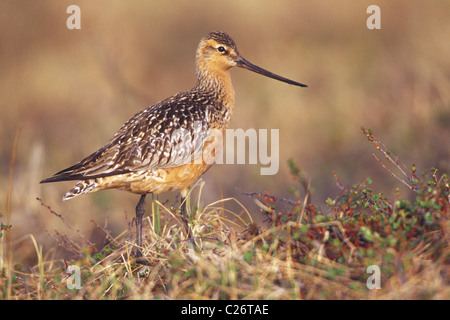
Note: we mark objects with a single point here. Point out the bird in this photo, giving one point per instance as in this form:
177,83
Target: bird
154,151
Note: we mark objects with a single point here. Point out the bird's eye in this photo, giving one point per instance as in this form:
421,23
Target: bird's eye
221,49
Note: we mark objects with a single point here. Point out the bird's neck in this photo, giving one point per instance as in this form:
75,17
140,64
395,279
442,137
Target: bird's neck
218,84
215,83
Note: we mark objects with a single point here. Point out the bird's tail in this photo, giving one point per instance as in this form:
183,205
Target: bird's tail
82,187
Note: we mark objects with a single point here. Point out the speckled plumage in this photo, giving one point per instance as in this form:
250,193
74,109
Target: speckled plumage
145,147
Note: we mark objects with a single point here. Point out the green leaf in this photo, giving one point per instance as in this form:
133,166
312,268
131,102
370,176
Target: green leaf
248,256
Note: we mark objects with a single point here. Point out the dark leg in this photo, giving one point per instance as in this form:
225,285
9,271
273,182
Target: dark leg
185,216
140,210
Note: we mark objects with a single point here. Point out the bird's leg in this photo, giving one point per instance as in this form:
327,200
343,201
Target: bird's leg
185,213
185,216
140,210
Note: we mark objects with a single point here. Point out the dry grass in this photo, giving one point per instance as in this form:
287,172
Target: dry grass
301,253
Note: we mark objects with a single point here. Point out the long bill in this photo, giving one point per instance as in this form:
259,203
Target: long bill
242,63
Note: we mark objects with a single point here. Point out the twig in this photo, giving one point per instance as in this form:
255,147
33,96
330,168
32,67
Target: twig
62,219
415,188
251,194
338,182
108,236
394,160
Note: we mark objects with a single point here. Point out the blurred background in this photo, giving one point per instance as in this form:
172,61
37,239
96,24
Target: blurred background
70,90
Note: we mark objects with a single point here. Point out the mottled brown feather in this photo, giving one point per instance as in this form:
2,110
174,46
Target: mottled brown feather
145,155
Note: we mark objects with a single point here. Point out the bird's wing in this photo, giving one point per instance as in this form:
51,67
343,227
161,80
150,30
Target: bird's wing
168,134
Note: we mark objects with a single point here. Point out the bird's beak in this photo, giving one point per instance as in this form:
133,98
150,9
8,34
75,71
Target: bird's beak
242,63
